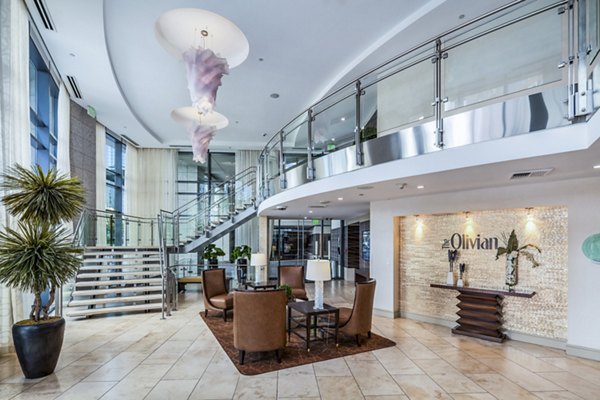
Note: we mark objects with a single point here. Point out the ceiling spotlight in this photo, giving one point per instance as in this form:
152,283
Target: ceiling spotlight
340,198
264,134
420,187
261,59
343,119
274,95
310,211
461,16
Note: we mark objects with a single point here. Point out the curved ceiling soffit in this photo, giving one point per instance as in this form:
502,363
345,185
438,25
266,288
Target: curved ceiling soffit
118,83
399,27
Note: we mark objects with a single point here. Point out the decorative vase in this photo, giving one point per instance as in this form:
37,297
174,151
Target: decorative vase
450,278
512,267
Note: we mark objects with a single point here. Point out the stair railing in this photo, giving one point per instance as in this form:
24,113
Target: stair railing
200,215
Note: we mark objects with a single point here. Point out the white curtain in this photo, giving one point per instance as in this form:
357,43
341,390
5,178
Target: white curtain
150,186
100,182
247,233
150,181
14,130
64,126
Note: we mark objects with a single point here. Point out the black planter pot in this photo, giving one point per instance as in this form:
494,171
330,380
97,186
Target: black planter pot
213,263
38,347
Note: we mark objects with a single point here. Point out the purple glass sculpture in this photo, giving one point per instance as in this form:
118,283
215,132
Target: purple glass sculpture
204,72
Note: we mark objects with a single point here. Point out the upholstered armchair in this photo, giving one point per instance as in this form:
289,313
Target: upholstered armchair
357,320
259,322
293,276
214,292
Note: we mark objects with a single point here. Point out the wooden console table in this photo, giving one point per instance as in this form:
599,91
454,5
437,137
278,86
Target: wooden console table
480,311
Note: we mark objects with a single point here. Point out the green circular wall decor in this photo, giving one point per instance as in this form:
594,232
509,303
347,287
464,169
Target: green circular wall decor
591,247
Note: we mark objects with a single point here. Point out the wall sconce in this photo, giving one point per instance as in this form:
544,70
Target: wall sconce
469,231
529,211
418,227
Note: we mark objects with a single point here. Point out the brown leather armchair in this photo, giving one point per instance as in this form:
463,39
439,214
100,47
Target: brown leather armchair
293,276
259,321
357,320
214,292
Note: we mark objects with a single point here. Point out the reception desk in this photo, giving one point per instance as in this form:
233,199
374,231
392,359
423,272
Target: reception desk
480,311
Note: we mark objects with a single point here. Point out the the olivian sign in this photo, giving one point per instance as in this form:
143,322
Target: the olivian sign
460,241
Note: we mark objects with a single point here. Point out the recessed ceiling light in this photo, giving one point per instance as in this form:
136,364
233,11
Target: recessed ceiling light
333,139
343,119
274,95
324,202
597,166
420,187
310,211
261,59
264,134
237,122
361,194
461,16
72,54
340,198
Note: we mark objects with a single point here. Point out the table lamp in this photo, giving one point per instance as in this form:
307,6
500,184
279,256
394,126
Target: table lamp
259,262
318,271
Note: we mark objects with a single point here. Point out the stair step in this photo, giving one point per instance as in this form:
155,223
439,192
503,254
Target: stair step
121,260
108,310
119,253
119,282
121,248
118,274
151,267
98,292
120,299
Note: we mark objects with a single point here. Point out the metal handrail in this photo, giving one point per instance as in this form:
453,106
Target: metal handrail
310,113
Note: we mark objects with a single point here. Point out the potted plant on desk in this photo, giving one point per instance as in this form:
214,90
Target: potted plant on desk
513,251
241,255
210,253
39,256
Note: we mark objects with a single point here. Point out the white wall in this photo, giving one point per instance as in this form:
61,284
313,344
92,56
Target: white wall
581,196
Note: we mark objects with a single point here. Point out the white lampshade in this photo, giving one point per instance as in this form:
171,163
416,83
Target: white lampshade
258,259
318,270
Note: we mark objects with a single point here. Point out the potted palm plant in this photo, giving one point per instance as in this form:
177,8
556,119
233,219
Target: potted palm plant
210,253
39,256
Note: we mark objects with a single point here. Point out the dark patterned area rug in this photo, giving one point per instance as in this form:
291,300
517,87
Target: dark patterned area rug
295,353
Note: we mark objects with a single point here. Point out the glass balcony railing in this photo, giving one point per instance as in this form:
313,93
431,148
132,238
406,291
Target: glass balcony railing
518,69
98,228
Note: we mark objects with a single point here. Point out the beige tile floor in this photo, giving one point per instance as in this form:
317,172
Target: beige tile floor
143,357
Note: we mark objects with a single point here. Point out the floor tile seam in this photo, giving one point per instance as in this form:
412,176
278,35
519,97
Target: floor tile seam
203,373
539,376
450,394
60,394
354,377
573,373
595,385
114,383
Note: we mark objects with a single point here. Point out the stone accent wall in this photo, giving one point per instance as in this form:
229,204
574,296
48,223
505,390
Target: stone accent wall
423,261
83,151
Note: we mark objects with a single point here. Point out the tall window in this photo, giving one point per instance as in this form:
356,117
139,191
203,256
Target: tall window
43,105
115,173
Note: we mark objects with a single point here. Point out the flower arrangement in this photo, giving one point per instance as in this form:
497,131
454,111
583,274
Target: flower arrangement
513,251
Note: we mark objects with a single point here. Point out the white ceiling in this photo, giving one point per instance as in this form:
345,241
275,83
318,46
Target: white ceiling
307,47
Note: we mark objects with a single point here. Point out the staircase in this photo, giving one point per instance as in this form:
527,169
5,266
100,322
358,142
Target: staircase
211,215
116,280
